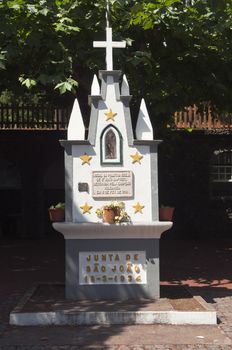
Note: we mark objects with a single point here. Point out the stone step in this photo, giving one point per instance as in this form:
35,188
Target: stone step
45,305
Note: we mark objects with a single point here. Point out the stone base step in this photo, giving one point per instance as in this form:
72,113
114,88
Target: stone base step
45,305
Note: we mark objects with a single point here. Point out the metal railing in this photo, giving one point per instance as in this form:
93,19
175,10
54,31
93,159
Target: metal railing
194,119
34,117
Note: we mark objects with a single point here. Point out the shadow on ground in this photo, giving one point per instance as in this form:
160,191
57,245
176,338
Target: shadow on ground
205,266
199,263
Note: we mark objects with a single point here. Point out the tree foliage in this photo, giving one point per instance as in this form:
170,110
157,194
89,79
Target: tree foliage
178,53
188,50
44,43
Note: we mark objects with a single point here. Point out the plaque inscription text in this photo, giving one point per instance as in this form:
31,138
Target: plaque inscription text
111,267
113,184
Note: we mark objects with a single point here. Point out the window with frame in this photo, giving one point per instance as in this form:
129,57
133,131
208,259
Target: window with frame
221,167
221,174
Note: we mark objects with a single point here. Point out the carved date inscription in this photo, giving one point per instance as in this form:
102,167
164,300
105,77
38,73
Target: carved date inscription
112,267
112,184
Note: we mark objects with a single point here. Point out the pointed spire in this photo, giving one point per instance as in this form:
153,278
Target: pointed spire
125,90
95,88
144,130
76,128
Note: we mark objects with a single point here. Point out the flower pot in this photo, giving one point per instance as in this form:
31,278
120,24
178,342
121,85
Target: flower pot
56,214
166,213
108,216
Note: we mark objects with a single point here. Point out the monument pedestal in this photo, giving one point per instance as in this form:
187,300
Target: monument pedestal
112,261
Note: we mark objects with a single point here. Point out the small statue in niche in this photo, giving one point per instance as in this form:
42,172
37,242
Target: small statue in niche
110,145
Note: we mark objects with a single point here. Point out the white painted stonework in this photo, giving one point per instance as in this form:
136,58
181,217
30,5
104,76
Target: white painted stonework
76,128
101,230
107,318
109,45
20,317
95,88
83,173
111,148
125,90
143,130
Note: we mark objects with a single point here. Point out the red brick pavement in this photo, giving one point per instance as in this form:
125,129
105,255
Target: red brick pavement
205,266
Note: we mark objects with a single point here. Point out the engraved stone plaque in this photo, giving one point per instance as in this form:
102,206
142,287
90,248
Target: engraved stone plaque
112,184
112,267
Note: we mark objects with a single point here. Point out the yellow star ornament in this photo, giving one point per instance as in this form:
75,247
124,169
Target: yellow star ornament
138,208
136,158
85,159
110,115
86,208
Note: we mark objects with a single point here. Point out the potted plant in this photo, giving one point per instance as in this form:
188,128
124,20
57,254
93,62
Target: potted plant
56,212
166,213
113,212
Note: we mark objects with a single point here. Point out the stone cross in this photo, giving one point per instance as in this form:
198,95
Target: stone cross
109,45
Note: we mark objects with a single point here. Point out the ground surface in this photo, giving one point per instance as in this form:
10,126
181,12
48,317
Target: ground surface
205,266
51,297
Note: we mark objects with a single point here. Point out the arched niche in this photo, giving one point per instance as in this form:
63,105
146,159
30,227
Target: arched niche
111,146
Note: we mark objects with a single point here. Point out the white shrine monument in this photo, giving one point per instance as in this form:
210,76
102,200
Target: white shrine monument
111,269
119,260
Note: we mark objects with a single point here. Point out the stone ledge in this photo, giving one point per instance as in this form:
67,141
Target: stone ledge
44,305
95,230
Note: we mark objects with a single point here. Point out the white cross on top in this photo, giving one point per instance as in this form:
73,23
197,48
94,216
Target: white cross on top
109,45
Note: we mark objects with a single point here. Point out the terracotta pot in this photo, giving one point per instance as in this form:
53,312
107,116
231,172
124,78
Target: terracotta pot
108,216
166,213
56,214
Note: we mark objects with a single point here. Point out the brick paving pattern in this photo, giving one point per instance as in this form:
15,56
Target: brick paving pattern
21,264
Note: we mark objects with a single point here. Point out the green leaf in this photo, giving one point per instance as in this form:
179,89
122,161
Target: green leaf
29,83
63,87
72,81
14,4
44,11
2,65
3,60
67,85
62,27
32,8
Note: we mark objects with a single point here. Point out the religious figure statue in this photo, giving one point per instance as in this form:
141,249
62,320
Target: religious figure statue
110,145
